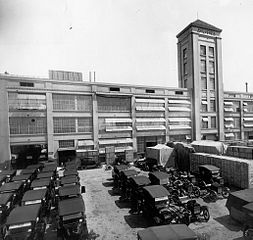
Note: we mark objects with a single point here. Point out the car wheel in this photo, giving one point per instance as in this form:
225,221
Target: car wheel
246,233
225,192
213,196
206,214
196,192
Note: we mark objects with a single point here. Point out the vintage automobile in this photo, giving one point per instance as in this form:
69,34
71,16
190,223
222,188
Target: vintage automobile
25,223
9,174
50,167
26,179
6,205
155,204
136,183
40,196
49,175
66,192
125,175
69,180
72,220
13,187
211,182
248,222
168,232
116,174
32,172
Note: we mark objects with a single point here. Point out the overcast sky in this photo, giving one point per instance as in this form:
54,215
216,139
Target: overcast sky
124,41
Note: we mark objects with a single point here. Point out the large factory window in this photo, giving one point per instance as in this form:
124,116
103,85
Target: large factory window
63,102
113,104
84,124
64,125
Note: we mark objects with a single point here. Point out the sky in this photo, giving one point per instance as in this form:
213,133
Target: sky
123,41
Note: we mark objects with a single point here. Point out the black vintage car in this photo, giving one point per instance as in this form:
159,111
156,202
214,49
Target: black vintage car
72,221
211,182
40,196
136,183
71,172
25,223
7,201
13,187
156,205
26,179
168,232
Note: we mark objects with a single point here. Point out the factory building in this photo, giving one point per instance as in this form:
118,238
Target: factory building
67,114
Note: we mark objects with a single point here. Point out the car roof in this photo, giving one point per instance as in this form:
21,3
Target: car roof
49,168
168,232
70,172
69,190
209,167
21,177
4,198
34,195
11,186
69,179
27,171
71,206
8,172
44,175
2,177
23,214
140,180
40,182
129,172
159,175
34,166
120,167
156,191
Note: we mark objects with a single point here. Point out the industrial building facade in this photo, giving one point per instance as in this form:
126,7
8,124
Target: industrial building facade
67,115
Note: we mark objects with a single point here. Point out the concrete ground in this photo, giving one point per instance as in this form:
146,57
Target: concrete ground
109,219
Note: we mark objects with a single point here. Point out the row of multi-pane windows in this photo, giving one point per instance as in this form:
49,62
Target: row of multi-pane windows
212,106
65,102
203,51
210,65
25,101
28,125
72,125
113,104
205,120
204,83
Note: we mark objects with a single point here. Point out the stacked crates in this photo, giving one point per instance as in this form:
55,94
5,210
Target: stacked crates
235,171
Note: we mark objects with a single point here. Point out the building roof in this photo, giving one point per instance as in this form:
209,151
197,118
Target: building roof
200,24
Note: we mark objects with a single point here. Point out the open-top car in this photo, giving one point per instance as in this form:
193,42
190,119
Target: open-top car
6,205
25,223
156,205
167,232
39,196
211,181
13,187
9,174
72,221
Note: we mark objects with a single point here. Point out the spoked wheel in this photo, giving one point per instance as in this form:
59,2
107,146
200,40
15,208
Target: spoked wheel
206,214
213,196
225,192
196,192
246,233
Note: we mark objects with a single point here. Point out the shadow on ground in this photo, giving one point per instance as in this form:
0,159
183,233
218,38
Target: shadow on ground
123,204
229,223
136,221
114,192
108,184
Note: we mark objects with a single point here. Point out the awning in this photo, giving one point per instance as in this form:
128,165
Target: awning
229,125
115,141
179,101
229,119
149,100
229,135
228,109
148,128
228,103
204,102
174,127
248,119
179,109
179,120
142,108
150,120
205,119
245,104
121,120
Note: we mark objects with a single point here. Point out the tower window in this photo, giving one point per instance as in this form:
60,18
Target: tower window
212,83
211,52
203,83
203,66
185,69
184,53
202,50
213,122
212,106
211,67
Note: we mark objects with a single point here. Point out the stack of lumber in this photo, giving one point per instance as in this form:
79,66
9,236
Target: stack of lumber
235,171
240,151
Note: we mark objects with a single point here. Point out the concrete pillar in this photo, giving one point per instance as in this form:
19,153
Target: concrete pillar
5,152
167,138
133,116
95,120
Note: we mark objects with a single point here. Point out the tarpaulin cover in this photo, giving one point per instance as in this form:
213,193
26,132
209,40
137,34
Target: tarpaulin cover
208,146
156,191
239,198
161,153
168,232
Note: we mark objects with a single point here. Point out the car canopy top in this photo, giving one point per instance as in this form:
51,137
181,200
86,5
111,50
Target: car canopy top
129,172
21,177
69,190
71,206
4,198
45,175
140,180
70,172
159,175
8,172
69,179
156,191
32,195
118,168
49,168
35,166
239,198
41,182
211,168
28,171
10,186
167,232
248,208
23,214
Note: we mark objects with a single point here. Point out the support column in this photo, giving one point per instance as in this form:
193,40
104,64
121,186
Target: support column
133,116
95,121
166,116
5,152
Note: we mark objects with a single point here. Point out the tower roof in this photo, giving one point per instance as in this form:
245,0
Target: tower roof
200,24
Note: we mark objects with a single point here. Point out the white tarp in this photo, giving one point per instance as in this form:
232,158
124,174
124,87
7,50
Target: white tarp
208,146
160,152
